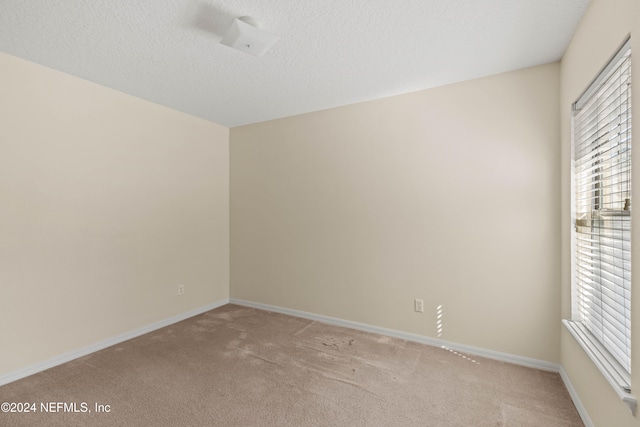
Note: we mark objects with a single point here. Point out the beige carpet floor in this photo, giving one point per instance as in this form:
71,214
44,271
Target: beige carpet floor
237,366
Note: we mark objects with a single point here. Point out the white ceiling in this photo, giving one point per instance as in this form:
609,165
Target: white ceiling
331,52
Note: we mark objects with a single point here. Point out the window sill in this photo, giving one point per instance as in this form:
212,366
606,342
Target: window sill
618,383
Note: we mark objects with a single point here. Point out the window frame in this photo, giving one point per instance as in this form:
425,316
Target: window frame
616,374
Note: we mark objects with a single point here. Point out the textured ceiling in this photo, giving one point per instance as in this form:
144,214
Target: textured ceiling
331,52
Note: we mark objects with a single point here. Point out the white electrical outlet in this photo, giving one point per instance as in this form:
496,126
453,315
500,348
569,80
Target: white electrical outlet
180,289
419,305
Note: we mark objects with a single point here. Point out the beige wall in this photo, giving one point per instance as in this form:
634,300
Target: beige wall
604,27
107,202
449,195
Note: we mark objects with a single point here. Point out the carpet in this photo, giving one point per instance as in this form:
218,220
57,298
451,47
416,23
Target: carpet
238,366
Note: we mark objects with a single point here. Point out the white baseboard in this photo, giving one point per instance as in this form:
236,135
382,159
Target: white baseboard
477,351
576,399
67,357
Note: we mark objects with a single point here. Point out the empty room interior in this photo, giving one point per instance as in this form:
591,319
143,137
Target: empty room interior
366,216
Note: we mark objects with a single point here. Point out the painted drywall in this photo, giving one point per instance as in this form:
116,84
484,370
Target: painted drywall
604,27
449,195
108,203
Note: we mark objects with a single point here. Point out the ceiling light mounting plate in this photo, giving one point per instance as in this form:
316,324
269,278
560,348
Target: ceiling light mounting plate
245,36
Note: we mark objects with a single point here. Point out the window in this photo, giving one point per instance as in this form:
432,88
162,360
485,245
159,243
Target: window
601,253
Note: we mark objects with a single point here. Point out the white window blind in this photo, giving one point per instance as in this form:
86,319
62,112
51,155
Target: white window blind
602,184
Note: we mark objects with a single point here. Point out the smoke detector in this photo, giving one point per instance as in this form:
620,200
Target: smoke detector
245,36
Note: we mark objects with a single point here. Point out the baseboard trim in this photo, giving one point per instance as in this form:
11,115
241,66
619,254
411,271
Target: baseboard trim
576,398
476,351
67,357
